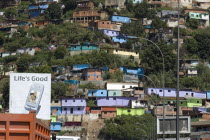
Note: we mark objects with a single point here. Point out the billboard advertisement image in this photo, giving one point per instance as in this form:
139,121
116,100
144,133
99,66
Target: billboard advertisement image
30,92
170,125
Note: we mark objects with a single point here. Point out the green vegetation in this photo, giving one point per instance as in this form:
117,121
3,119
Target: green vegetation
129,127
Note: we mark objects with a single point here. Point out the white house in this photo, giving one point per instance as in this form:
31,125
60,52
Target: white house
121,86
192,72
138,104
30,51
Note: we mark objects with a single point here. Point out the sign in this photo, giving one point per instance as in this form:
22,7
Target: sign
30,92
170,125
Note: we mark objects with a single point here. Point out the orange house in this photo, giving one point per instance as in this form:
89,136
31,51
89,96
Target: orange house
23,127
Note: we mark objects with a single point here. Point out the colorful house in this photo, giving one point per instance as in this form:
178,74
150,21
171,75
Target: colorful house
80,66
110,32
202,17
192,102
92,74
53,118
97,93
208,94
36,9
74,106
86,48
120,86
133,71
56,110
170,92
173,102
122,19
55,126
115,93
119,39
115,101
130,111
55,102
108,112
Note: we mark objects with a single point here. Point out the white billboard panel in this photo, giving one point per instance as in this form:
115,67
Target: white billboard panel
30,92
170,125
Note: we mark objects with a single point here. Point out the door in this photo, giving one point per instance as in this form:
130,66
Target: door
72,110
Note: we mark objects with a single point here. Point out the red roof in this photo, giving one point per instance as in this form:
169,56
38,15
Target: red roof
108,109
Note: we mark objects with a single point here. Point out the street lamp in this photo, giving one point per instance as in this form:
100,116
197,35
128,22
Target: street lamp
152,99
163,81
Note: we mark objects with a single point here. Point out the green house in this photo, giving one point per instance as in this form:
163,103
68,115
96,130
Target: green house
130,111
115,93
181,102
89,47
194,102
53,118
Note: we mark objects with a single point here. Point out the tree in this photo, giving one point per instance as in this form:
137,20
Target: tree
69,5
59,89
5,91
142,10
133,29
10,13
203,41
152,60
127,127
191,45
193,23
60,52
41,69
53,11
158,23
23,63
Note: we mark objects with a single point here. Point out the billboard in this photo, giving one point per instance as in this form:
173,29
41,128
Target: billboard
30,92
170,125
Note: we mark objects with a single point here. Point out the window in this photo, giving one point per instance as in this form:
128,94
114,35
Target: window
78,108
107,31
114,93
81,100
129,110
160,90
65,109
73,100
186,93
65,100
75,47
151,90
97,76
114,98
192,94
105,112
130,86
102,92
169,90
136,102
197,101
107,22
181,102
56,101
112,32
102,22
168,102
123,86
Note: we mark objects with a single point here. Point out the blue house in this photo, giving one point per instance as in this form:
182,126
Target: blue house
208,94
56,110
72,82
55,126
121,19
133,71
119,39
97,93
80,66
36,9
